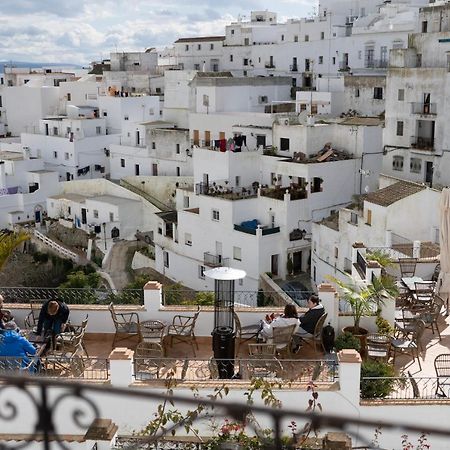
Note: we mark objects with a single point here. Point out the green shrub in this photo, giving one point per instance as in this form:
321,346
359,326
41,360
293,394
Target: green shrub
40,257
347,340
173,294
380,388
263,300
383,326
204,298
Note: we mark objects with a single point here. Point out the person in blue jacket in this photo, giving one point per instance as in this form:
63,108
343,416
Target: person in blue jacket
12,344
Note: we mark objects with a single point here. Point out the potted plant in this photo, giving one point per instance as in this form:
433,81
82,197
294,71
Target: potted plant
347,341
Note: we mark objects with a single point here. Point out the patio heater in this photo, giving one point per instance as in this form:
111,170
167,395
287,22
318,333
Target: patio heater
223,332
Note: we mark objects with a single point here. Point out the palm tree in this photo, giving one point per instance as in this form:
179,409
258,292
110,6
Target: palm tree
10,240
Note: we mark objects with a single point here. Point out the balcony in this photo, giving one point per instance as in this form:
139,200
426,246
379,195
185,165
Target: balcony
424,108
376,63
269,65
226,192
211,260
276,192
265,230
293,68
422,143
343,66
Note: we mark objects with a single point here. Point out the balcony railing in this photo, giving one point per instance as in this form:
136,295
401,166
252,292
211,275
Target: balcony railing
73,295
343,66
376,64
361,263
293,68
422,143
215,260
424,108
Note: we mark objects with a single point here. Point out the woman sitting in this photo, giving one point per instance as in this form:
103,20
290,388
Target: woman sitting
289,317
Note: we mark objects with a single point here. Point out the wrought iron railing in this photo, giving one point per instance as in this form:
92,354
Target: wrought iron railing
361,263
78,366
47,400
404,388
272,369
215,260
424,108
73,295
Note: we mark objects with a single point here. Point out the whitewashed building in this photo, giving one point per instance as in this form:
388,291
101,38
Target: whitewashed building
387,219
24,186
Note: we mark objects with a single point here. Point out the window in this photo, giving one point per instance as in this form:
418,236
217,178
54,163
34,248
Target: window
151,112
95,214
154,145
232,31
98,130
237,180
199,46
244,73
69,97
415,165
356,92
424,26
111,217
322,35
196,66
166,259
215,215
354,218
378,93
284,144
306,37
211,46
333,60
105,113
397,163
241,282
401,95
188,239
55,155
282,37
201,272
178,171
125,118
237,253
316,185
320,59
55,131
295,38
336,252
231,58
178,148
185,201
122,162
263,99
369,217
399,128
66,156
360,54
245,61
186,47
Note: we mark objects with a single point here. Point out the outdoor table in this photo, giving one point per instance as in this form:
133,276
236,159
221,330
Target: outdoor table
152,330
410,282
39,341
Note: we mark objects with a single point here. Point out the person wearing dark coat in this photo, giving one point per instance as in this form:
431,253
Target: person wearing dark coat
309,320
53,317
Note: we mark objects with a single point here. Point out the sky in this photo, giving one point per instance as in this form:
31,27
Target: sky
82,31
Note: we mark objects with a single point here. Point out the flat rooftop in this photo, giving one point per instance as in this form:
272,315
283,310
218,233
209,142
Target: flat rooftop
112,199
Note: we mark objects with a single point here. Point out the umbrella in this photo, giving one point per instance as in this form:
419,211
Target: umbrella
443,284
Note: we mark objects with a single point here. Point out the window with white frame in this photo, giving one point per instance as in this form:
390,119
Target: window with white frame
111,217
415,165
98,130
399,128
237,253
401,95
66,155
215,215
95,214
122,162
354,218
201,272
188,239
55,154
185,201
397,163
178,149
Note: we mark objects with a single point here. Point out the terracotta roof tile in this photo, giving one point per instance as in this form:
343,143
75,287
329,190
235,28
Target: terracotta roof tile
393,193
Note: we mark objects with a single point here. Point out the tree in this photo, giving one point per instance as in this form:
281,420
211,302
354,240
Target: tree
9,241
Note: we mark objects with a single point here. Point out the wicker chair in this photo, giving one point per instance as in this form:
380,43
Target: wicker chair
315,339
148,360
182,330
282,339
124,323
245,333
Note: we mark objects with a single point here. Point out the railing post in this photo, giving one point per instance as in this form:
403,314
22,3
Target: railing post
330,301
152,297
121,366
101,435
350,375
416,249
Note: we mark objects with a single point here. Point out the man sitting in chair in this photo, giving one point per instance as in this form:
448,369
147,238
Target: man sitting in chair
309,320
13,345
53,317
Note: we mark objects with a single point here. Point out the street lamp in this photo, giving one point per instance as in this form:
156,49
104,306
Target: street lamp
104,232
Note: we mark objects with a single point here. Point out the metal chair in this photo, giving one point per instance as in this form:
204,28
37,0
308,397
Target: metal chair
407,266
148,360
282,339
442,369
409,346
316,338
431,315
182,330
67,359
423,293
124,323
378,347
31,320
245,333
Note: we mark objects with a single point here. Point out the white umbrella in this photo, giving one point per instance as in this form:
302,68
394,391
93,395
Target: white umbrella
443,283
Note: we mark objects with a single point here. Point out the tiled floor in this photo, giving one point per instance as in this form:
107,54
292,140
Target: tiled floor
100,345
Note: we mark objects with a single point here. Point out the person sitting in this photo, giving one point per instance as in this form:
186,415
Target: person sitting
53,317
5,315
289,317
309,320
14,345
